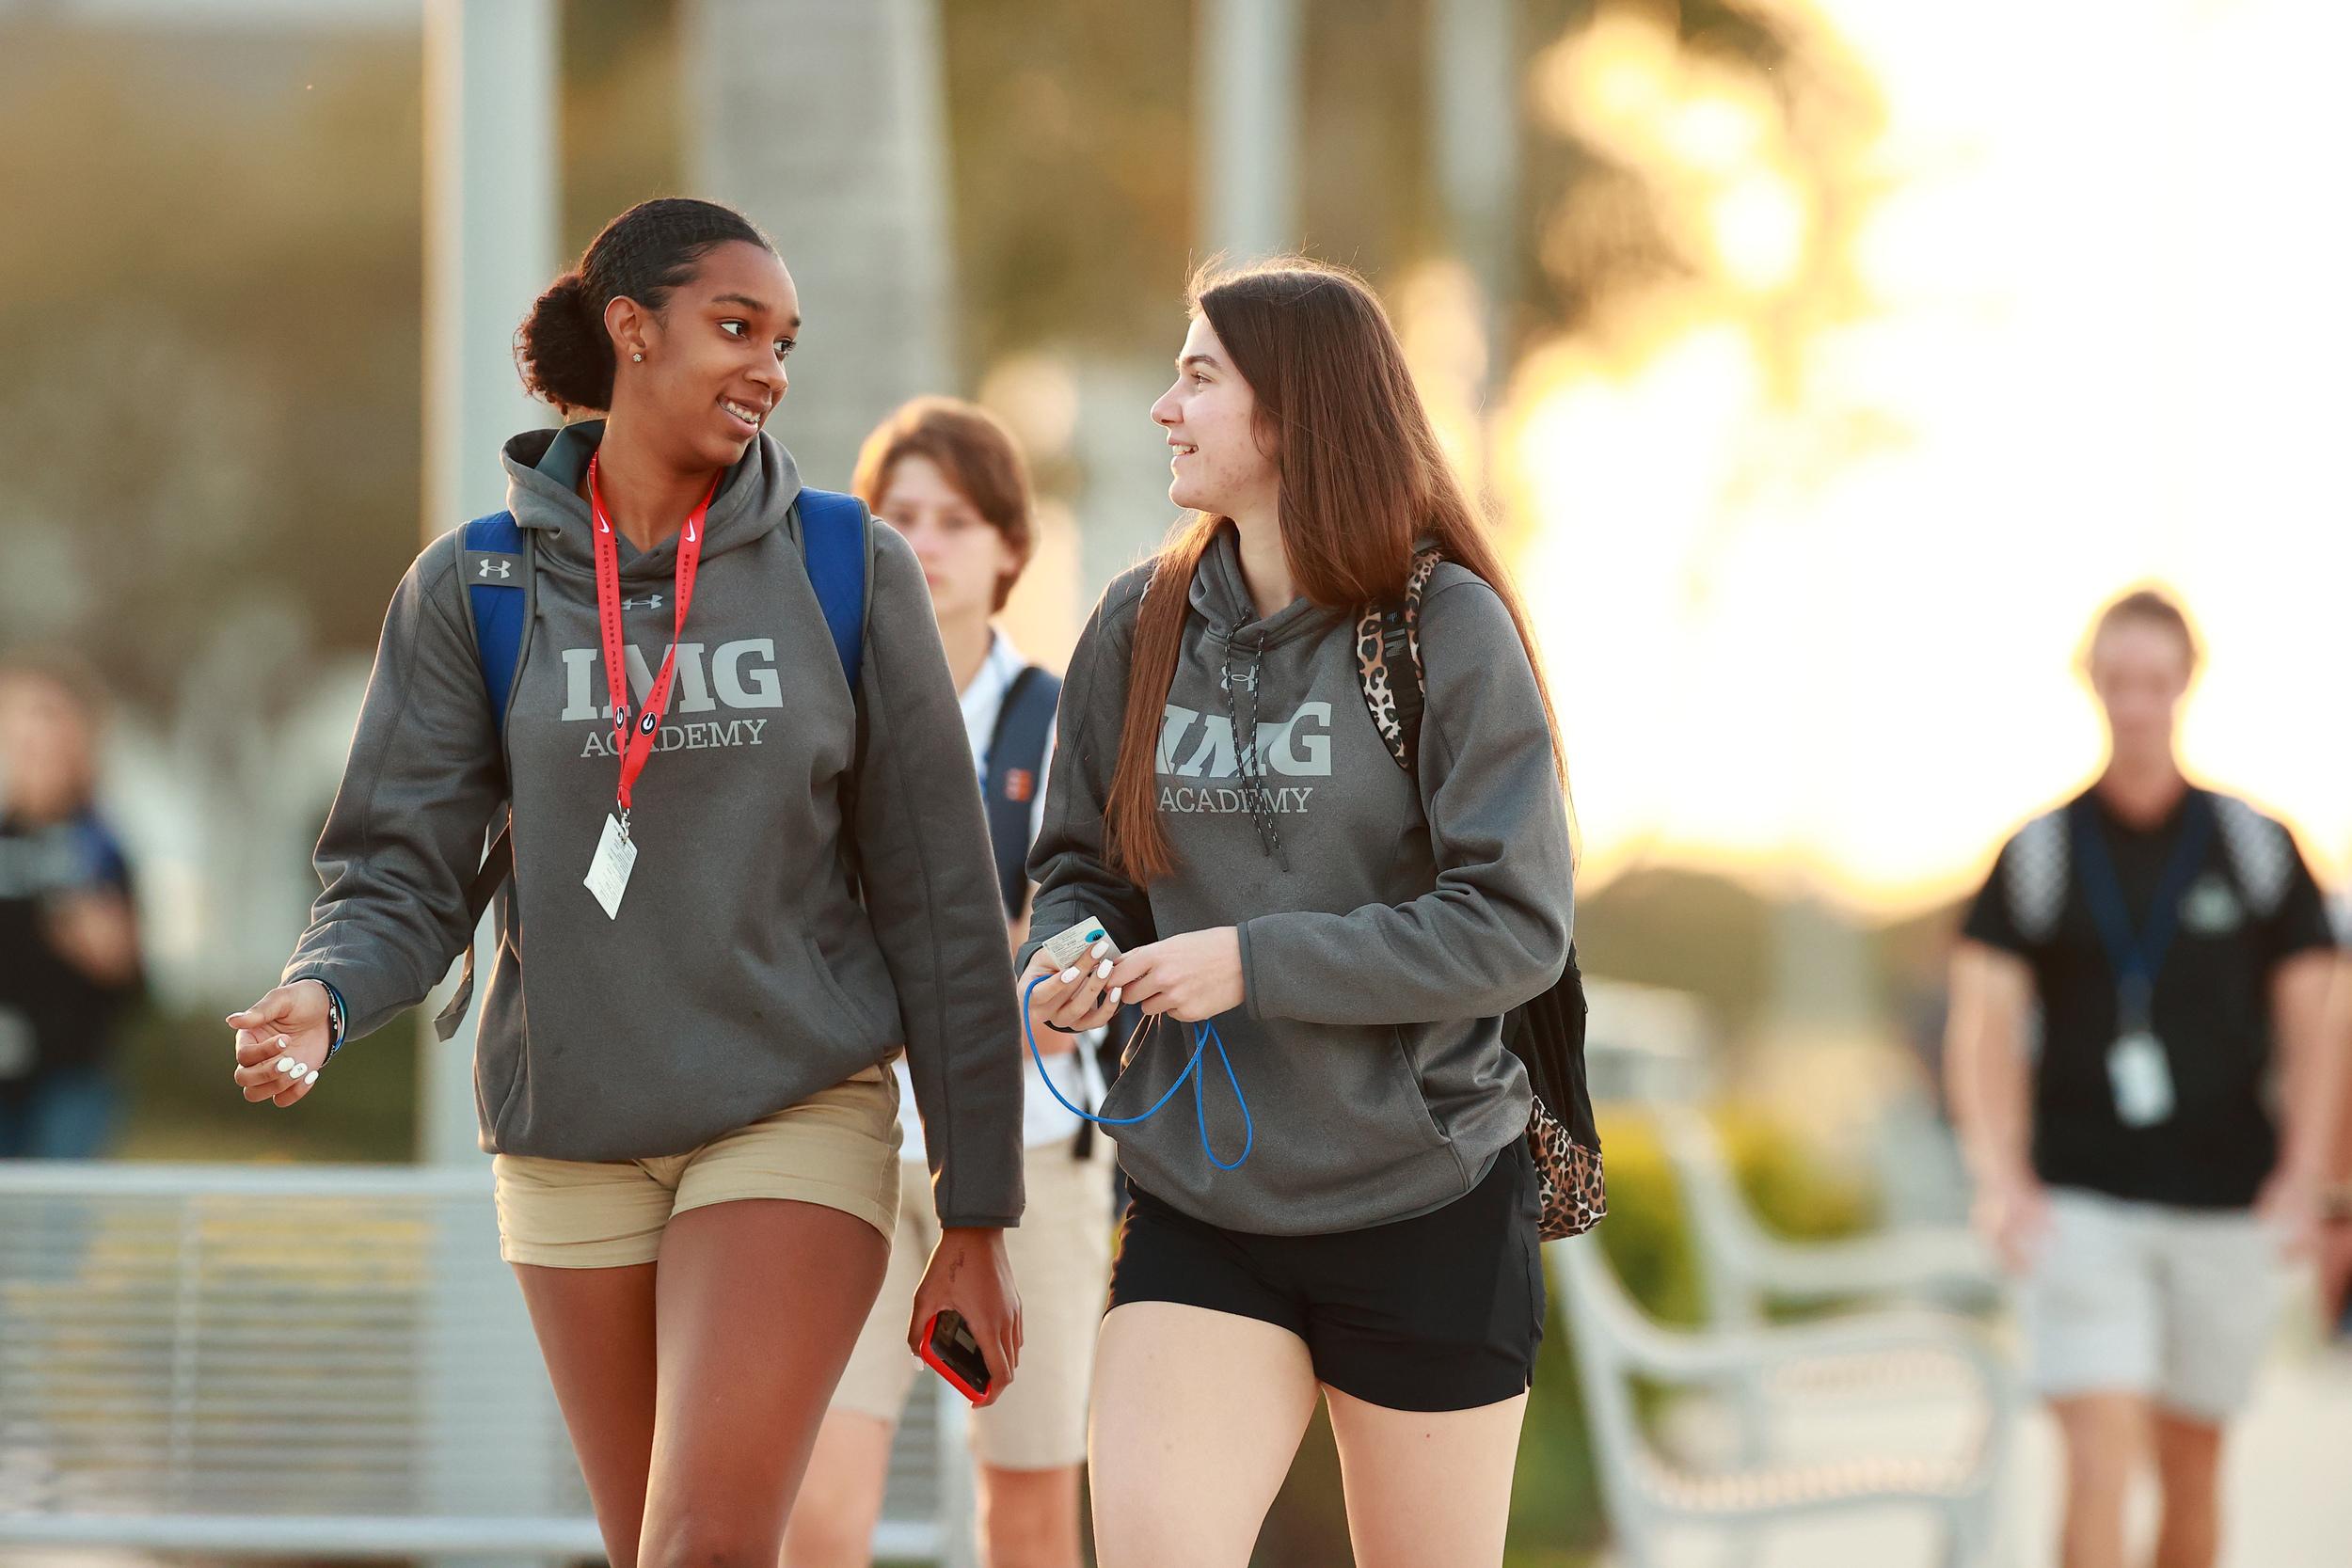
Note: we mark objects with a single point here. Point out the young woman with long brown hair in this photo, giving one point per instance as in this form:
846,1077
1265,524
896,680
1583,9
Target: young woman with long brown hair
1226,807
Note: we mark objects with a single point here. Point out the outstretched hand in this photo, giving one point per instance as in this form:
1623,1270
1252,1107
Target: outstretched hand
281,1043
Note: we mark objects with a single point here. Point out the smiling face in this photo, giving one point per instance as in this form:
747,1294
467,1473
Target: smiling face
1210,417
713,366
964,559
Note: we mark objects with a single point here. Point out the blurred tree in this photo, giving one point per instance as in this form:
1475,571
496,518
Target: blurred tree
1368,195
210,296
1685,931
1599,228
622,139
1071,130
210,289
824,123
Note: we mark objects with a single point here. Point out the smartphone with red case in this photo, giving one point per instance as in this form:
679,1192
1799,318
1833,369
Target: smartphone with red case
951,1351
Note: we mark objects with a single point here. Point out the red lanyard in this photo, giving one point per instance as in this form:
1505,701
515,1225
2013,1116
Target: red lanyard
634,742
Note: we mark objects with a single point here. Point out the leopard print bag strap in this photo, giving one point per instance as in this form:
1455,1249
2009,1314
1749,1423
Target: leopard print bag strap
1388,664
1571,1194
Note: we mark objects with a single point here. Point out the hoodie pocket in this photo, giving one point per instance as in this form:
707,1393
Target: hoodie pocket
1410,1086
516,1061
832,990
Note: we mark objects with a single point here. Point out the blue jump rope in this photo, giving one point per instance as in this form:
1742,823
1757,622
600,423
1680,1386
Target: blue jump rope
1202,1036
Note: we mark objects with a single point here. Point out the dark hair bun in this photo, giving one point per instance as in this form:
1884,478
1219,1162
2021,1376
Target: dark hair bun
563,349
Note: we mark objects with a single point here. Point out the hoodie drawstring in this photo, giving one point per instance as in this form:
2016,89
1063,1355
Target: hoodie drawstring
1246,753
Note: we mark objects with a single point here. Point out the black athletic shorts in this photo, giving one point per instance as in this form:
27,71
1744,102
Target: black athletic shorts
1439,1312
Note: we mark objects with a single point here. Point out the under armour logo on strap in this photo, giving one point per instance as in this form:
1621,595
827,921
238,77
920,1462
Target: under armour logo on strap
487,569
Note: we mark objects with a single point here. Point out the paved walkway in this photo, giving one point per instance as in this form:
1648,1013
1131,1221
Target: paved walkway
2290,1493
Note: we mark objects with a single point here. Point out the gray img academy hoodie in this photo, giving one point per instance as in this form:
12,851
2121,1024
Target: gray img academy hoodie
1385,928
743,974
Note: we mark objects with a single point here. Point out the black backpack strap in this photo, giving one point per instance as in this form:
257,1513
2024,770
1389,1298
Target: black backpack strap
1547,1032
1016,771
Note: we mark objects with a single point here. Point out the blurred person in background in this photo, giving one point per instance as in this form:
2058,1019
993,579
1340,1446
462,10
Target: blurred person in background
2335,1248
2335,1234
951,477
69,936
2139,959
683,1060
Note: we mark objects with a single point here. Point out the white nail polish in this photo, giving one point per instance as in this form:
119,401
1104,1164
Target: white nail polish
1070,975
1100,949
285,1064
311,1077
1104,971
1115,990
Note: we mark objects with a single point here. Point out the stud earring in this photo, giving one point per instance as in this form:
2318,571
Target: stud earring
639,356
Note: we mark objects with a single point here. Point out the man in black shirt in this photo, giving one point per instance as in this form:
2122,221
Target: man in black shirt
2116,995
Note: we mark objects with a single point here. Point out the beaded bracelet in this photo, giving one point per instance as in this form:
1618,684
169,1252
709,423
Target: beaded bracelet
336,1017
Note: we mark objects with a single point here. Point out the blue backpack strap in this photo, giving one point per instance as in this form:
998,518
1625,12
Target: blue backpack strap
1016,772
492,561
494,565
834,543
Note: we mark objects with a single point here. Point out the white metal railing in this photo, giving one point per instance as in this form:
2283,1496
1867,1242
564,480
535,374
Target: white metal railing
1946,1464
303,1359
1745,1268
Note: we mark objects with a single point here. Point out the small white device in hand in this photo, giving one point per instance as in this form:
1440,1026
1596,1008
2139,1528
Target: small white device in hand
1066,950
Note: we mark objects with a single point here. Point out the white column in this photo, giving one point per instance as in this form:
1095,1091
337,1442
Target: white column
490,226
1247,97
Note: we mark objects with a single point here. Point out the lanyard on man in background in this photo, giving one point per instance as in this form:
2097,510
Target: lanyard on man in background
2139,1072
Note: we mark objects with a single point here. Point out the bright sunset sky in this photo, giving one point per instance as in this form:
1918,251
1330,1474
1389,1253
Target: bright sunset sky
1817,542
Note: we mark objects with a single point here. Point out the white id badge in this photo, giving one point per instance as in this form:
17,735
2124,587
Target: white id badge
2141,1079
1065,949
608,873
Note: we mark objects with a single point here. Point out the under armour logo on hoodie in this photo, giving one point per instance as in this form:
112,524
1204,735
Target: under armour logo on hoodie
651,601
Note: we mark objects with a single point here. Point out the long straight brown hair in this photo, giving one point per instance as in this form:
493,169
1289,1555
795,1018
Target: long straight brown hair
1362,478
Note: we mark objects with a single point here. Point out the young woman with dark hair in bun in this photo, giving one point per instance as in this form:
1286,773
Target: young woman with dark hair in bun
734,901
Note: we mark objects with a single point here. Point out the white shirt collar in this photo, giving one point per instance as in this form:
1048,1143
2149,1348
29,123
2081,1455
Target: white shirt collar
984,698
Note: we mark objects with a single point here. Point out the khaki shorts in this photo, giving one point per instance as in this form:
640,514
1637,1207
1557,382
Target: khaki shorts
2174,1304
838,1148
1061,1253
